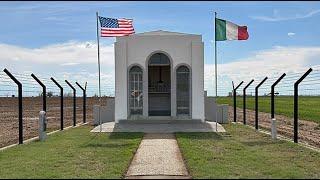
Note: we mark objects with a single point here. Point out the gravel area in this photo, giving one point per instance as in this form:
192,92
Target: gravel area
158,155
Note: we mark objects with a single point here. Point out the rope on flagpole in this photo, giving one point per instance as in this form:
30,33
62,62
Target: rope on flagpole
216,76
99,70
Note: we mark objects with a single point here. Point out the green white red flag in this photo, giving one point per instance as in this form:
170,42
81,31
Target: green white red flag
226,30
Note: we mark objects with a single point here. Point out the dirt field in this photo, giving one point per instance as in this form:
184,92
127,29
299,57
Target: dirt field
309,132
31,106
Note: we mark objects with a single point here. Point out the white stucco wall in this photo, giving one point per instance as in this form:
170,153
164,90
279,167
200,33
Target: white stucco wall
181,49
120,79
198,81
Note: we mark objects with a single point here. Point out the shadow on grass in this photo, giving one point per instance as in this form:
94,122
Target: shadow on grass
119,135
159,136
201,135
106,145
101,140
125,135
262,143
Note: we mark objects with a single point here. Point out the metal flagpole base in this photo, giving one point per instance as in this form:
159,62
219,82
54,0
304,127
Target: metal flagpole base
216,120
100,115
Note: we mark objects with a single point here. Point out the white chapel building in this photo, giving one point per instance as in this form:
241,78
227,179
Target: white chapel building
159,75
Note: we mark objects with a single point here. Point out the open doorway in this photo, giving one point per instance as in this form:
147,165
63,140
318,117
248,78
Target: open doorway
159,80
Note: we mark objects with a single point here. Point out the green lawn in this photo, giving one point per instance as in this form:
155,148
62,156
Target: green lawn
244,153
74,153
308,105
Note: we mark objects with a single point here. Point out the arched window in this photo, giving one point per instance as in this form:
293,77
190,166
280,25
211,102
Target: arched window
159,59
183,90
135,90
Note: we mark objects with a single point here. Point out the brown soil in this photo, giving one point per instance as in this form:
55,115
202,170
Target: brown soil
9,122
308,132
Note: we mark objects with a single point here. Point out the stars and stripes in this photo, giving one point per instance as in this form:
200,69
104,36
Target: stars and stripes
111,27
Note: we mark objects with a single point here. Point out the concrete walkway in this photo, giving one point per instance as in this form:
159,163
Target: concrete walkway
158,157
160,127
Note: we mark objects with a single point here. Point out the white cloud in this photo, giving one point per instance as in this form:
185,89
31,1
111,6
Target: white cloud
70,53
277,17
291,33
77,61
270,62
69,64
74,61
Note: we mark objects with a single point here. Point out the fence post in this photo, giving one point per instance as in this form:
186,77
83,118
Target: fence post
295,111
61,102
84,102
244,101
272,93
74,102
44,96
257,104
44,93
235,102
20,104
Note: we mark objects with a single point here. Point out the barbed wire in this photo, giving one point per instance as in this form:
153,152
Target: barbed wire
32,88
309,86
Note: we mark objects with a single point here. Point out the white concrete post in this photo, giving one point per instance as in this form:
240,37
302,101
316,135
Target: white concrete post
274,128
42,125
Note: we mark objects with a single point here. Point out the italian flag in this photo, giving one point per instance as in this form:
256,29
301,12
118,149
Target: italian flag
226,30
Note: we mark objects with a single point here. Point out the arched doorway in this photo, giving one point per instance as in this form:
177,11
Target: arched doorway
159,90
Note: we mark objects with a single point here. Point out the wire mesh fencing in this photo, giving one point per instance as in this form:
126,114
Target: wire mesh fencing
239,101
68,105
19,112
9,122
249,115
308,108
294,102
53,106
32,104
283,104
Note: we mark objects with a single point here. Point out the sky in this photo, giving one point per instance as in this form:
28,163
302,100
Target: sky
59,38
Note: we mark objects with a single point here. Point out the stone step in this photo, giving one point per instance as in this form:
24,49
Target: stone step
194,121
158,177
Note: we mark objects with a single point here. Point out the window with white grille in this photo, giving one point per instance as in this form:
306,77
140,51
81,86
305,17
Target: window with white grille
183,90
135,91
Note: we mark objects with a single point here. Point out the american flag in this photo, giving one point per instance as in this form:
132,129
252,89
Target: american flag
111,27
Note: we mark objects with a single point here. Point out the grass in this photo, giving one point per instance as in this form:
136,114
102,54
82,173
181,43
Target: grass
245,153
74,153
308,105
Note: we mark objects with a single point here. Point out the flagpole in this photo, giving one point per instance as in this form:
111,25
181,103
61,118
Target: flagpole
216,75
99,70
